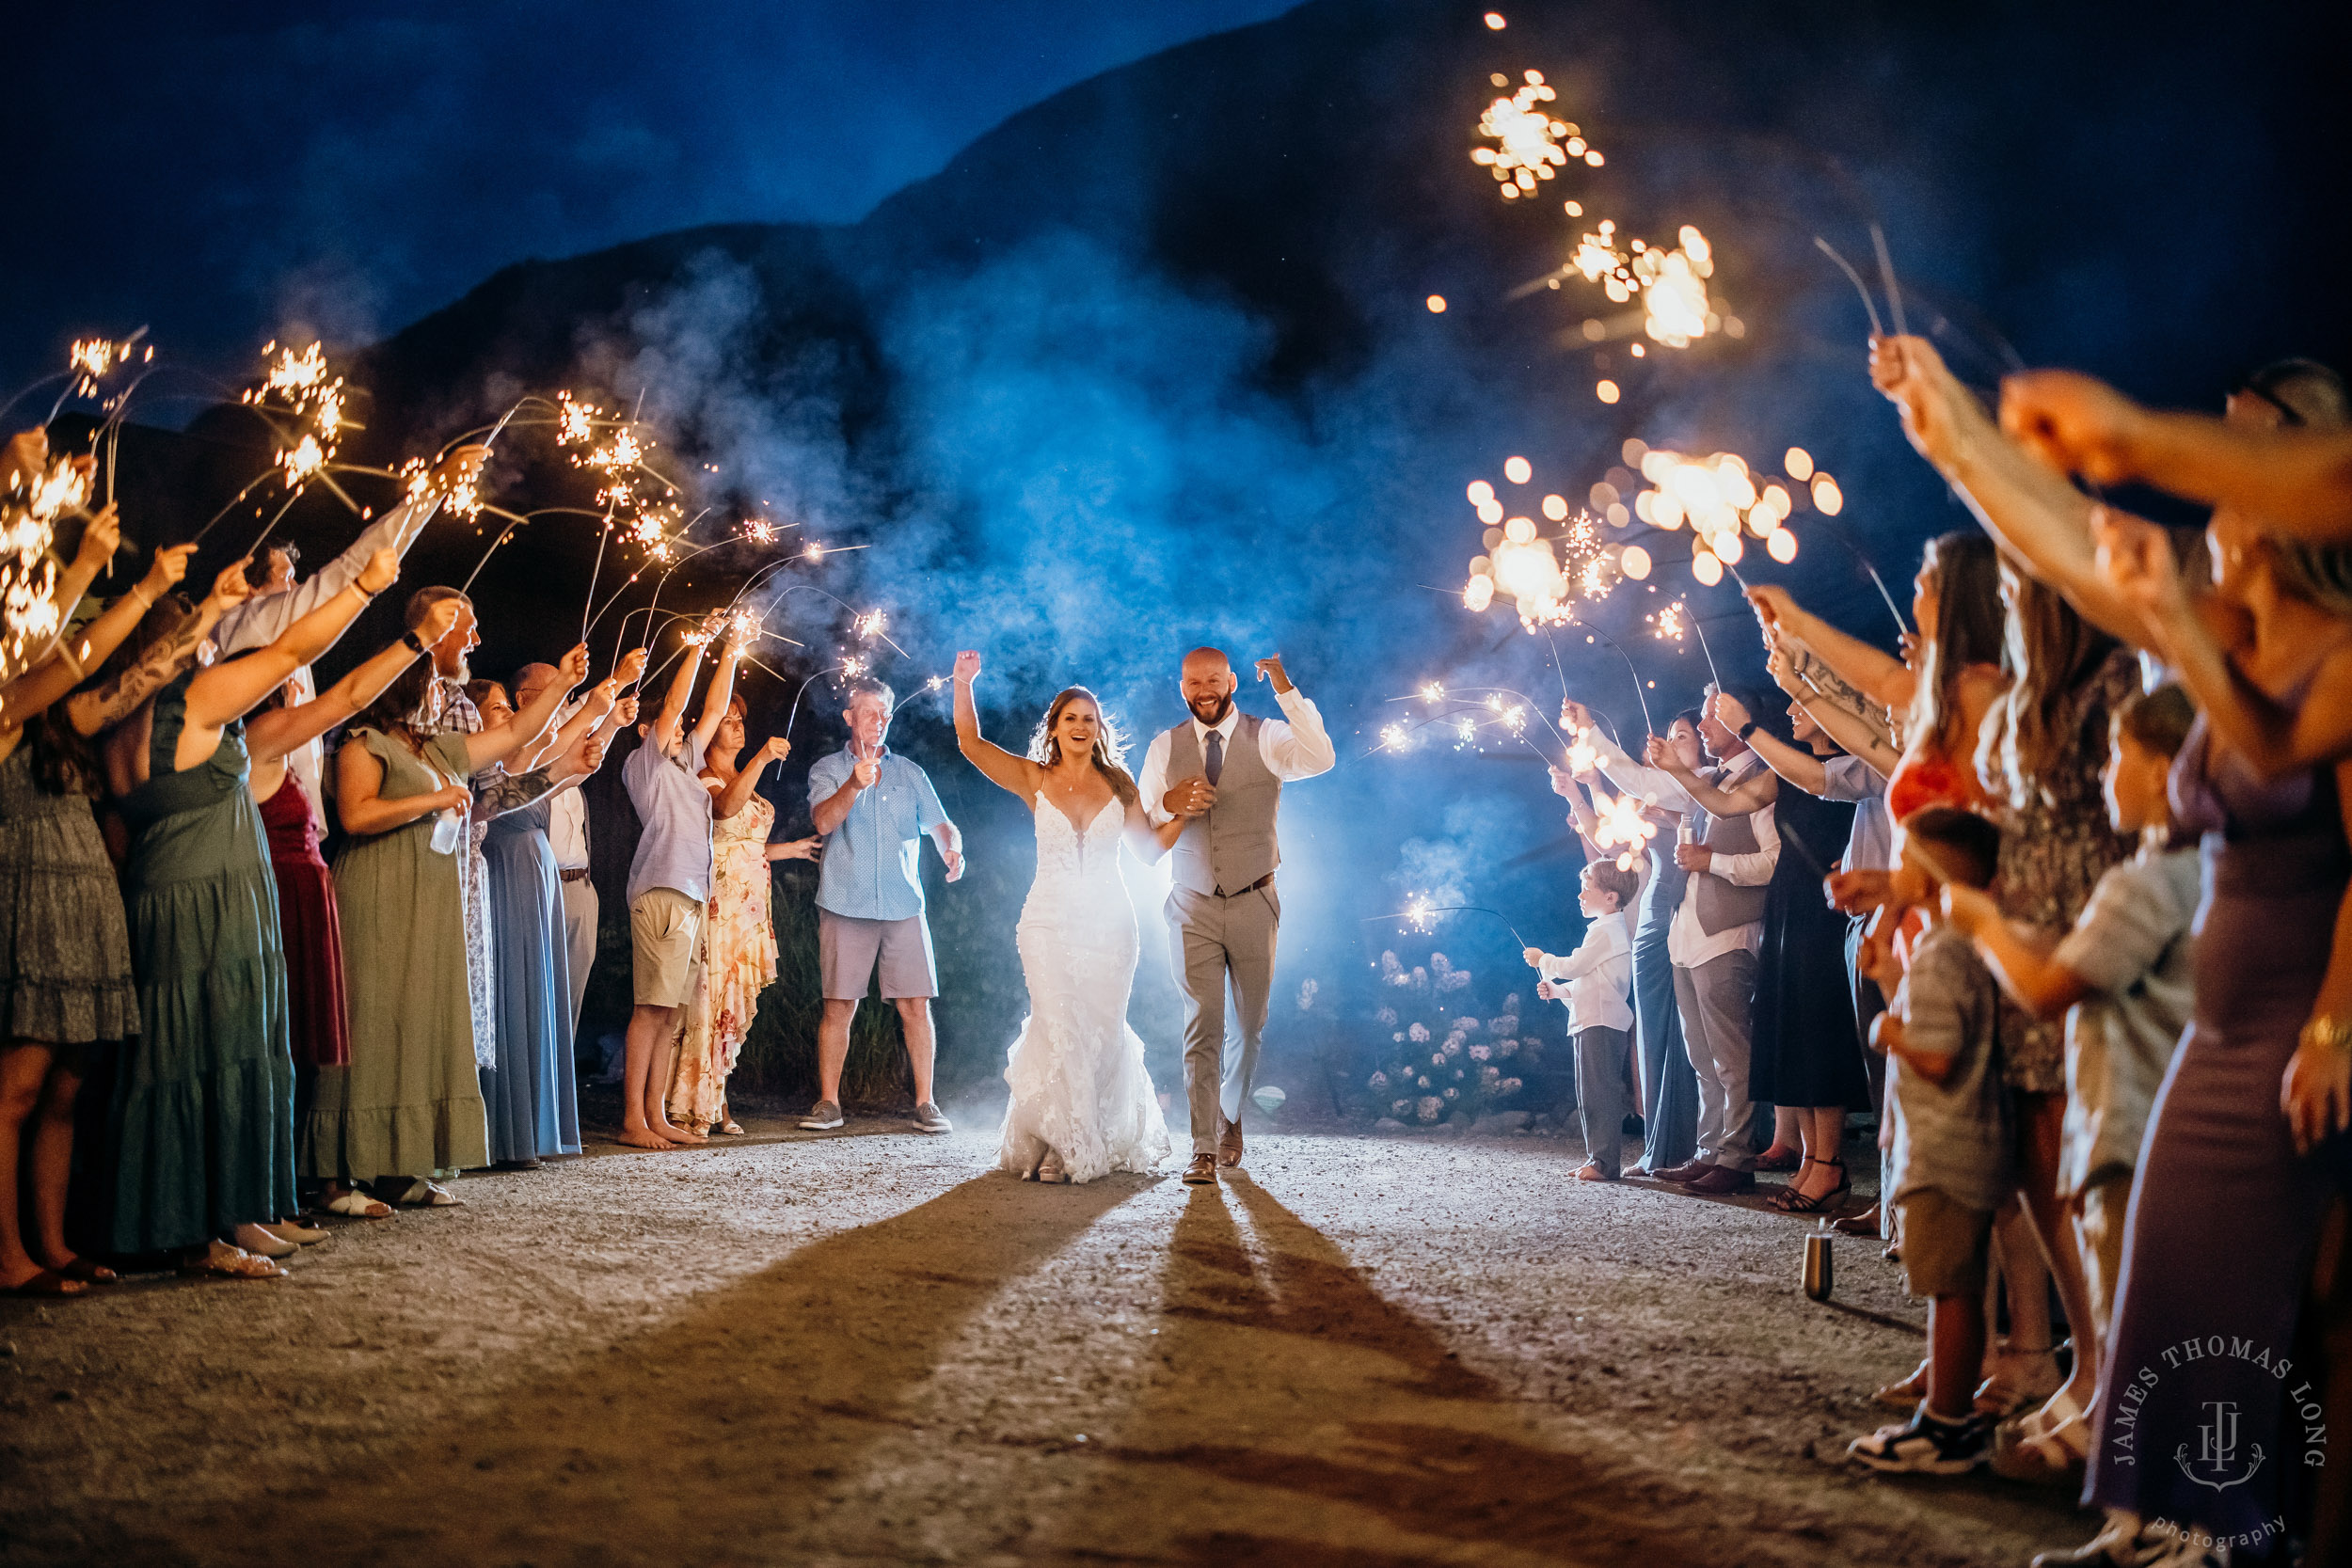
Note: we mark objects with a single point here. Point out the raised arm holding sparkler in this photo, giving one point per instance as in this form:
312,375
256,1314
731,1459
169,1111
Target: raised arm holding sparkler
2298,481
2029,509
68,664
265,618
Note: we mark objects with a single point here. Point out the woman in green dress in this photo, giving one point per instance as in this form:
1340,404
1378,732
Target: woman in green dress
408,1105
201,1125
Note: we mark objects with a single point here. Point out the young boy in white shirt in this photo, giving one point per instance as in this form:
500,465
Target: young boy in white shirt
1596,982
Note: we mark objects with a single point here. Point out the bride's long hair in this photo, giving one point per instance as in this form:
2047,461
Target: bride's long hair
1110,748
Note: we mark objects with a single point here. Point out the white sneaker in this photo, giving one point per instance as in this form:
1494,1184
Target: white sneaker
823,1117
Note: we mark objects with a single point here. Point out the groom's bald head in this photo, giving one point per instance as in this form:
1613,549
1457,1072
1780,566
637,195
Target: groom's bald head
1207,683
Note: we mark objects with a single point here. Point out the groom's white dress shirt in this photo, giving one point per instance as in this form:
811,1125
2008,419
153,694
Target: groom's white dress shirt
1293,747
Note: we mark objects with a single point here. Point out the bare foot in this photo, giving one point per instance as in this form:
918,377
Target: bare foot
644,1137
678,1135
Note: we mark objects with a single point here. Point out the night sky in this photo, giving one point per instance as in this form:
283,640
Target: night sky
1151,366
227,171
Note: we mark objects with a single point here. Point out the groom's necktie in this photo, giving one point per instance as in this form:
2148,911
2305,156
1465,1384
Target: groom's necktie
1214,767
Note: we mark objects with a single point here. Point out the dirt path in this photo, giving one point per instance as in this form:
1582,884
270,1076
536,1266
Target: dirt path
868,1348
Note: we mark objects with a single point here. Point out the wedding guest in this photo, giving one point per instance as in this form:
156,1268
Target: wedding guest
1713,942
669,884
1670,1090
2124,981
66,986
1951,1160
567,838
1598,982
201,1127
530,1090
409,1105
874,808
1804,1057
277,601
1869,848
2262,1078
739,946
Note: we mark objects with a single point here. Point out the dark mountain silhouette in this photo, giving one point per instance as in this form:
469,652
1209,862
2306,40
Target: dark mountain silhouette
1150,364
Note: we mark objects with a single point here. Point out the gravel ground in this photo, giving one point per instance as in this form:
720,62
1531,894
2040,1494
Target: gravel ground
867,1347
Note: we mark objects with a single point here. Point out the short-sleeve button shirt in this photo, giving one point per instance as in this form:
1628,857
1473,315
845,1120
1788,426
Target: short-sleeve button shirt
673,850
871,869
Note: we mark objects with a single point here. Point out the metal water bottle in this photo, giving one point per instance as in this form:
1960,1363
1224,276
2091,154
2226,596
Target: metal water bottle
1820,1275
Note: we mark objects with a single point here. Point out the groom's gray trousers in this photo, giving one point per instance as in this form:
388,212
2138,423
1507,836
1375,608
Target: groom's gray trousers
1219,945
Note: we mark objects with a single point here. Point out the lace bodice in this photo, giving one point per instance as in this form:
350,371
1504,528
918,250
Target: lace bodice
1069,860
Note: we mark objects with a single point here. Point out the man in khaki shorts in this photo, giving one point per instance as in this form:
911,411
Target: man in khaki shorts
669,881
876,807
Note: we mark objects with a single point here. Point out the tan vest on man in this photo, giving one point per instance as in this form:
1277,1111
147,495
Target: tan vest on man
1721,905
1230,847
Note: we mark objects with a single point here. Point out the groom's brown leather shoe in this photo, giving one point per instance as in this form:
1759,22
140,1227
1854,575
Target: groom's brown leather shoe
1201,1172
1229,1145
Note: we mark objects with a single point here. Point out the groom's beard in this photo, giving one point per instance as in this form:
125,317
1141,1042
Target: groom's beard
1212,710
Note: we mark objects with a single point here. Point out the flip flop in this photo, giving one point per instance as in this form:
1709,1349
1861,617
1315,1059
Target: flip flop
90,1273
48,1283
359,1206
429,1194
239,1264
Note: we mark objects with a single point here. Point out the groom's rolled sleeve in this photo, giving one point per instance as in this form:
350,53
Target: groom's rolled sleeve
1152,783
1297,746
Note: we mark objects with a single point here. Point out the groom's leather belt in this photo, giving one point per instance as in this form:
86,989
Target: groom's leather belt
1266,881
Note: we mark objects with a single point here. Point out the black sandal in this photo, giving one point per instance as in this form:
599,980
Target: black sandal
1791,1201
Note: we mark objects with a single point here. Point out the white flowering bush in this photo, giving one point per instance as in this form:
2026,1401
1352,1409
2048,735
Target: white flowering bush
1430,1060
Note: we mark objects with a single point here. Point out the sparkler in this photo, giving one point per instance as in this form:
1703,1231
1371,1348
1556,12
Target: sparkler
1421,915
1531,146
29,616
1622,827
1671,284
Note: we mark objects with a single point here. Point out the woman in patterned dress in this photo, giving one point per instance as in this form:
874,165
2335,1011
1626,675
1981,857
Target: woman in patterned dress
739,952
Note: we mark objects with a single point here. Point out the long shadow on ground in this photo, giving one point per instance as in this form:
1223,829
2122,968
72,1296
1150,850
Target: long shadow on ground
710,1439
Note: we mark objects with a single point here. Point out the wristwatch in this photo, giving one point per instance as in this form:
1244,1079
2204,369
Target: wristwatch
1747,729
414,642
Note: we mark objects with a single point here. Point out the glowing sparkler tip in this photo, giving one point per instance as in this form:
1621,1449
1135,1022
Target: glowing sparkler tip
1433,693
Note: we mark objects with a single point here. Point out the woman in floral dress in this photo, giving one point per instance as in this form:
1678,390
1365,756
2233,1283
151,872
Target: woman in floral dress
739,951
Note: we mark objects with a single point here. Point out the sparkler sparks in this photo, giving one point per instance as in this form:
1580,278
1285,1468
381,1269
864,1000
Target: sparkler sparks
1670,624
1622,827
1671,284
1531,145
296,384
870,624
1720,495
1392,738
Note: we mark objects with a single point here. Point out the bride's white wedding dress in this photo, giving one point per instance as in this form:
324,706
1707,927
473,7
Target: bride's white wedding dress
1079,1086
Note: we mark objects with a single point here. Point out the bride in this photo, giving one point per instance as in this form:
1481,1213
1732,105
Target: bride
1082,1103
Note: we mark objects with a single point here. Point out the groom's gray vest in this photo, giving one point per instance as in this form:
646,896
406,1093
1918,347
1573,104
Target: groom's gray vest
1721,905
1231,847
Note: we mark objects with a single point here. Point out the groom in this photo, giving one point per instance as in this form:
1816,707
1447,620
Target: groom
1223,770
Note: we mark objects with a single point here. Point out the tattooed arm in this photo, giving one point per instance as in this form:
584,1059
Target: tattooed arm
104,706
1823,683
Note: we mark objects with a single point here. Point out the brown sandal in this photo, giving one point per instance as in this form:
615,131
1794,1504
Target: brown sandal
47,1283
1791,1201
90,1273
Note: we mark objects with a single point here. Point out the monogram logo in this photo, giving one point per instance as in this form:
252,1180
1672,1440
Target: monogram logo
2217,1461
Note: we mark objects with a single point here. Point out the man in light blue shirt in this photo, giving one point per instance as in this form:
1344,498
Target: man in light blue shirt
875,807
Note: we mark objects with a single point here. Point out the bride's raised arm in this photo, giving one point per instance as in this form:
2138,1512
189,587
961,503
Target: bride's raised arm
999,766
